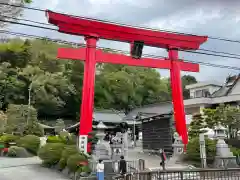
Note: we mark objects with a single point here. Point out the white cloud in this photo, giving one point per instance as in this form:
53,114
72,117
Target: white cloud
217,18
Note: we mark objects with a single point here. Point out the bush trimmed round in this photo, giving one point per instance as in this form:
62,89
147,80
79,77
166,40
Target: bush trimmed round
51,153
73,162
7,138
15,151
30,142
67,152
54,139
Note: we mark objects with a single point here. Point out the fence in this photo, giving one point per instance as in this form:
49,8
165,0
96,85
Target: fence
206,174
112,167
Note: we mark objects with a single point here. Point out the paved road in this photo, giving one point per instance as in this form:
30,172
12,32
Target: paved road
26,169
29,172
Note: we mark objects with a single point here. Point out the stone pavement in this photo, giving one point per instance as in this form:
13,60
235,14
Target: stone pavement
30,172
11,162
151,161
26,169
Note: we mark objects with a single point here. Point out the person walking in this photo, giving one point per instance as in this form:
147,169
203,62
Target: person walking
100,170
123,166
163,158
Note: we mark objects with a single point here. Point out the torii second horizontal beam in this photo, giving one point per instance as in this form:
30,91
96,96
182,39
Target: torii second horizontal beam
106,57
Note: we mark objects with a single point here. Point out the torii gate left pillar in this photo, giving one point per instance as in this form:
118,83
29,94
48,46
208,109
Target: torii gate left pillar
92,30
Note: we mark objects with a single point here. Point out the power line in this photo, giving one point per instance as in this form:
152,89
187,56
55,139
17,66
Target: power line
206,50
26,20
114,50
30,25
237,56
112,22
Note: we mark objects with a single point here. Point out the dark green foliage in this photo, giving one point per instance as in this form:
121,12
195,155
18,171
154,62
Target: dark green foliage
193,150
15,151
67,152
30,142
196,126
73,162
6,138
51,153
56,85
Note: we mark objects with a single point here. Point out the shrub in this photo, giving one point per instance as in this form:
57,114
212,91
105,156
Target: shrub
67,138
7,138
63,137
235,151
73,162
67,152
15,151
51,153
30,142
54,139
193,150
34,128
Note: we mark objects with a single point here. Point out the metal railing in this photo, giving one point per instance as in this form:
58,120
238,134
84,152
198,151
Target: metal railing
197,174
112,167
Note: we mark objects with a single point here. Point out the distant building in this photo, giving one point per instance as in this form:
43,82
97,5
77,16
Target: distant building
211,94
109,118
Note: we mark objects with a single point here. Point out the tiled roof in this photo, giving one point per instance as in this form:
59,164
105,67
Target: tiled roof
226,89
150,110
108,116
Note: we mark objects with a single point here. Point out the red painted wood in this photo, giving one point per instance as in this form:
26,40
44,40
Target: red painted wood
102,57
177,97
81,26
88,87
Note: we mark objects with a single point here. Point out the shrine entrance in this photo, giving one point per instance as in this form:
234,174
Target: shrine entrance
93,30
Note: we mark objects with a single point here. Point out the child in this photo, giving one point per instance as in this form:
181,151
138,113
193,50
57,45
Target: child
100,170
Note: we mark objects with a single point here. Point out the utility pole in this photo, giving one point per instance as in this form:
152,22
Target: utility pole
29,101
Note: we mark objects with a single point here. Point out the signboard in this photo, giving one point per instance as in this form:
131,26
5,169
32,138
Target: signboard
83,143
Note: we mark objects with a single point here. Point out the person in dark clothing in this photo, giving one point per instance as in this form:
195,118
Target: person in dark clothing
163,159
123,166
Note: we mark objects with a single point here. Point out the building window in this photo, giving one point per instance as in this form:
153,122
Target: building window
198,93
202,93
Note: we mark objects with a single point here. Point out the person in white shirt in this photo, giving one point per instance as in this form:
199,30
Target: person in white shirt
100,170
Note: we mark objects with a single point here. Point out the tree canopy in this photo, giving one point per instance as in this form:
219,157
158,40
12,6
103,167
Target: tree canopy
31,74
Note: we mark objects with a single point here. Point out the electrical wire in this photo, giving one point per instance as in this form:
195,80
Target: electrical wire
236,56
114,50
112,22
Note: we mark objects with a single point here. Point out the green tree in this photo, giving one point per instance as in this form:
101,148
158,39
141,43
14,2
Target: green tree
197,126
60,125
125,87
3,122
187,80
225,115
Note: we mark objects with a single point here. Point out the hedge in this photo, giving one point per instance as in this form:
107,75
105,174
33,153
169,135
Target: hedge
74,162
68,151
30,142
7,138
51,153
15,151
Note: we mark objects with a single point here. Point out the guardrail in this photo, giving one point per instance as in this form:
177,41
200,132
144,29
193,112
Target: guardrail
196,174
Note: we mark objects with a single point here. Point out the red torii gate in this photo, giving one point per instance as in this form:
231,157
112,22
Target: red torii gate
93,30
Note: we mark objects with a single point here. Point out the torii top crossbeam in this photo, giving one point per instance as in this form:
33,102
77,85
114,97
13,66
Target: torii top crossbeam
93,30
85,27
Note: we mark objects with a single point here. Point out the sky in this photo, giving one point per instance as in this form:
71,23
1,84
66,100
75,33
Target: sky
215,18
